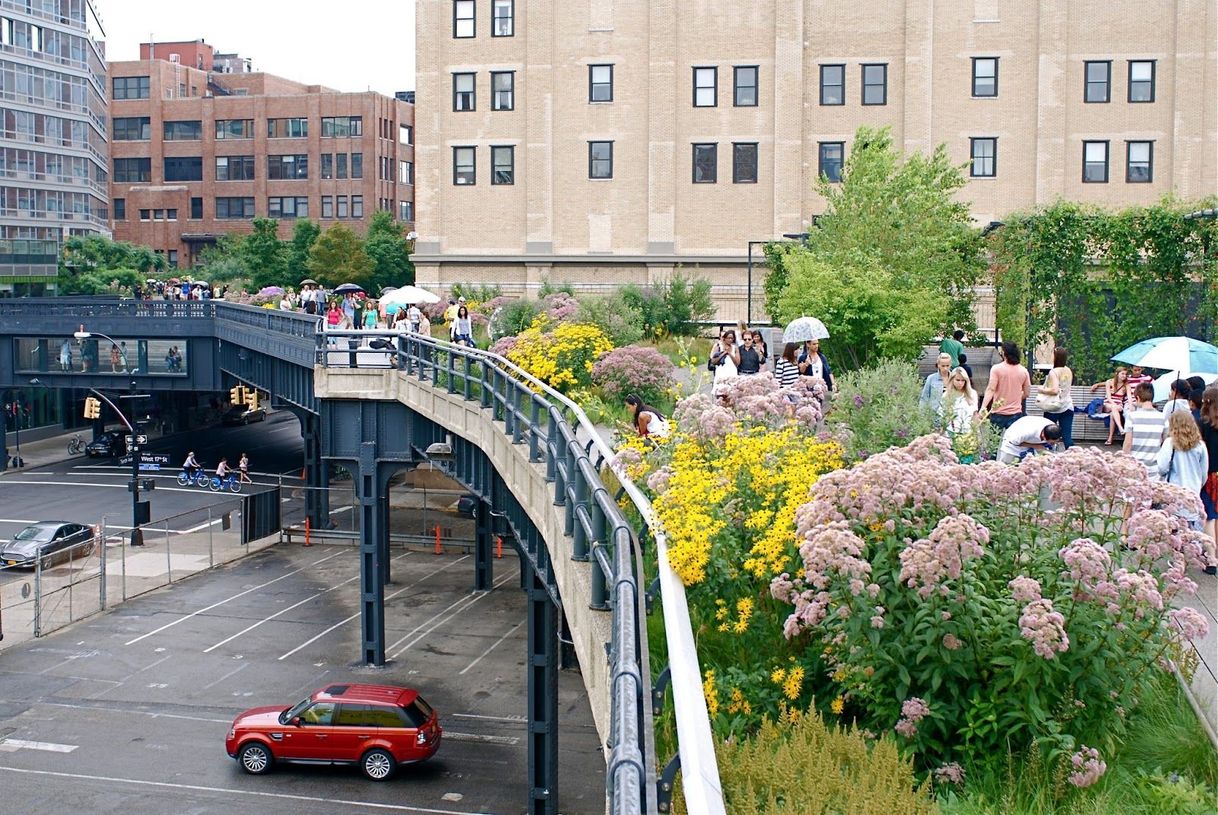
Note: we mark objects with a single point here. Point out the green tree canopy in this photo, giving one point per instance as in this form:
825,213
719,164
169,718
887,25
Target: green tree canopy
338,257
304,235
894,253
387,248
264,256
95,264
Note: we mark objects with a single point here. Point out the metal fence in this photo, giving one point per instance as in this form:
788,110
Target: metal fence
419,515
108,570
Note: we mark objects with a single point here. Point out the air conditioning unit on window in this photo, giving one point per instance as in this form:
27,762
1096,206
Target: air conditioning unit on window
175,58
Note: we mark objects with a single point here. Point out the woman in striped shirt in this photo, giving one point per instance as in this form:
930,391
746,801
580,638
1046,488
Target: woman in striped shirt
785,369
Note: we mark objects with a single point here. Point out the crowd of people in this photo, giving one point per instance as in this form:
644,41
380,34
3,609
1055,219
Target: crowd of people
750,355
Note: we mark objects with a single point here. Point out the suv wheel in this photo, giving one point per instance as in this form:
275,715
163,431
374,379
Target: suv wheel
378,765
255,759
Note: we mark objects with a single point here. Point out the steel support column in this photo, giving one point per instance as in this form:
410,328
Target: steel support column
543,697
386,556
484,541
370,484
317,497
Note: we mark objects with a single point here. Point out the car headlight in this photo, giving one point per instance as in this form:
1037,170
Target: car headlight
232,732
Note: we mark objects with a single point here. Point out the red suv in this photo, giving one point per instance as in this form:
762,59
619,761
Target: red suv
375,726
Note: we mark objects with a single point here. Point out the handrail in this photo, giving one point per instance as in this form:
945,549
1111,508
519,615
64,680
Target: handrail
700,772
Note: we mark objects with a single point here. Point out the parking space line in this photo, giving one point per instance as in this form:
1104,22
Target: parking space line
129,711
355,616
498,642
234,597
468,600
286,610
282,796
226,676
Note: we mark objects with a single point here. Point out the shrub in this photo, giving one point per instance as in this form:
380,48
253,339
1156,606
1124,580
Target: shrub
634,369
800,766
560,306
547,288
561,356
673,307
621,322
514,317
877,408
476,294
979,608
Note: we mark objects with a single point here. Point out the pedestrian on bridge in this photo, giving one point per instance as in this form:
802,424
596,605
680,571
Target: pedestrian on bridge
243,468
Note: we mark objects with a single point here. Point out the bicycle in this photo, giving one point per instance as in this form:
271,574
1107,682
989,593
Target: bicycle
76,445
198,478
229,481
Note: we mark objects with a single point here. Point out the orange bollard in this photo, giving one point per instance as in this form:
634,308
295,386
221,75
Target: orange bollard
438,549
498,546
308,529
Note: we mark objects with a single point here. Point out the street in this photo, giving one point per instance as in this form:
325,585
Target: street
127,711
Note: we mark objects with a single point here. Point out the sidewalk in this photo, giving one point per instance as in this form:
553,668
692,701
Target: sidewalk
54,449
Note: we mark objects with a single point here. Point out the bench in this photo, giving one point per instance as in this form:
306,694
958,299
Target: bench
1085,428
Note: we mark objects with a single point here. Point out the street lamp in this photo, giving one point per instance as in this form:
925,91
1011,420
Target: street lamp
134,449
748,307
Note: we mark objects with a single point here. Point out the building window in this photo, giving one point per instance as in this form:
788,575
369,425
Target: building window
502,84
985,76
191,130
463,18
340,165
744,163
600,159
133,170
1139,162
875,84
288,167
228,209
287,207
831,155
1142,80
341,201
463,91
234,168
357,206
706,87
706,163
130,87
600,83
357,165
196,209
120,209
503,165
131,128
145,215
327,206
234,128
406,210
833,84
1098,82
984,155
327,165
501,18
184,168
1095,162
341,127
464,167
172,256
744,84
405,134
294,128
405,172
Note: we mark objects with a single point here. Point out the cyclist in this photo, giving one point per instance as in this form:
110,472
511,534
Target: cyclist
243,467
191,465
222,471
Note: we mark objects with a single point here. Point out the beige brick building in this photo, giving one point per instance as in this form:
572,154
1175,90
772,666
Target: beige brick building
606,141
198,150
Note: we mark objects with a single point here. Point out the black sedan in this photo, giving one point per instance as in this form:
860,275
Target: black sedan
47,542
240,414
110,444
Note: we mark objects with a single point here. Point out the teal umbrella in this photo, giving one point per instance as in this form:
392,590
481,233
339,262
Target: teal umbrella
1172,354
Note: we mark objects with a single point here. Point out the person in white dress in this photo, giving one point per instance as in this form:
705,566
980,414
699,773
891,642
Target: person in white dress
959,403
725,359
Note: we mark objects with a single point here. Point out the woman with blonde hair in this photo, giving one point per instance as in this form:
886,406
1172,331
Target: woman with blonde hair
959,402
1184,461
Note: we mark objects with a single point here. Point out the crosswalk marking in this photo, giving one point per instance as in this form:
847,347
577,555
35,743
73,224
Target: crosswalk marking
50,747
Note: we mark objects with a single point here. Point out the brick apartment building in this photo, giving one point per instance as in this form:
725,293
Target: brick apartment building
617,140
200,146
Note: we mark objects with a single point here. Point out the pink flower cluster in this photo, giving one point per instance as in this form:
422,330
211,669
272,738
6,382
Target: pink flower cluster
926,563
626,457
633,369
504,345
1088,767
1140,588
913,710
1044,628
698,415
835,550
657,482
560,306
1191,623
951,773
753,400
1089,564
1024,589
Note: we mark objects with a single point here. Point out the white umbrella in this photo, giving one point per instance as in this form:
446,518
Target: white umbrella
408,295
804,329
1163,383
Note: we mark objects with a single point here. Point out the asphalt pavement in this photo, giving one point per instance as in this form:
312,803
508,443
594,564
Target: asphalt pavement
127,711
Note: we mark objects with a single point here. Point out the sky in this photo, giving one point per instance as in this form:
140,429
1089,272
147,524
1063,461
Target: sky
351,45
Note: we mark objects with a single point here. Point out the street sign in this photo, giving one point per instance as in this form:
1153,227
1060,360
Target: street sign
139,439
147,466
147,458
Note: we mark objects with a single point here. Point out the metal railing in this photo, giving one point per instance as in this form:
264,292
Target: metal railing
560,436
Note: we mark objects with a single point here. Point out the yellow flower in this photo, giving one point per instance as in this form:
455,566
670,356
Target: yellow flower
778,676
794,682
710,692
837,705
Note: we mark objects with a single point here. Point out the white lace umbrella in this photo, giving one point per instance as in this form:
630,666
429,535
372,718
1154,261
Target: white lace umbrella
408,295
804,329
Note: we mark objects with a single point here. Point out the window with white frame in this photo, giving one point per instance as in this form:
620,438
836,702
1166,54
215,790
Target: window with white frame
463,18
706,87
1095,162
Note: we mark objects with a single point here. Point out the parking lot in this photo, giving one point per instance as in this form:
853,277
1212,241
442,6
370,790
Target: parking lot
127,711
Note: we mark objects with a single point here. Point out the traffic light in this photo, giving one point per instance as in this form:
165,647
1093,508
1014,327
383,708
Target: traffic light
92,408
237,395
251,400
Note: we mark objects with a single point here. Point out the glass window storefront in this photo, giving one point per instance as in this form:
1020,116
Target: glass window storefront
98,356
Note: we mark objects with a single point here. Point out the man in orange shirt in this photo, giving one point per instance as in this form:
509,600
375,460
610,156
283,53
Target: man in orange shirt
1009,386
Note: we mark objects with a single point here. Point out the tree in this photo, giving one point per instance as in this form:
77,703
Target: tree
96,264
891,221
386,247
304,235
338,255
264,256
